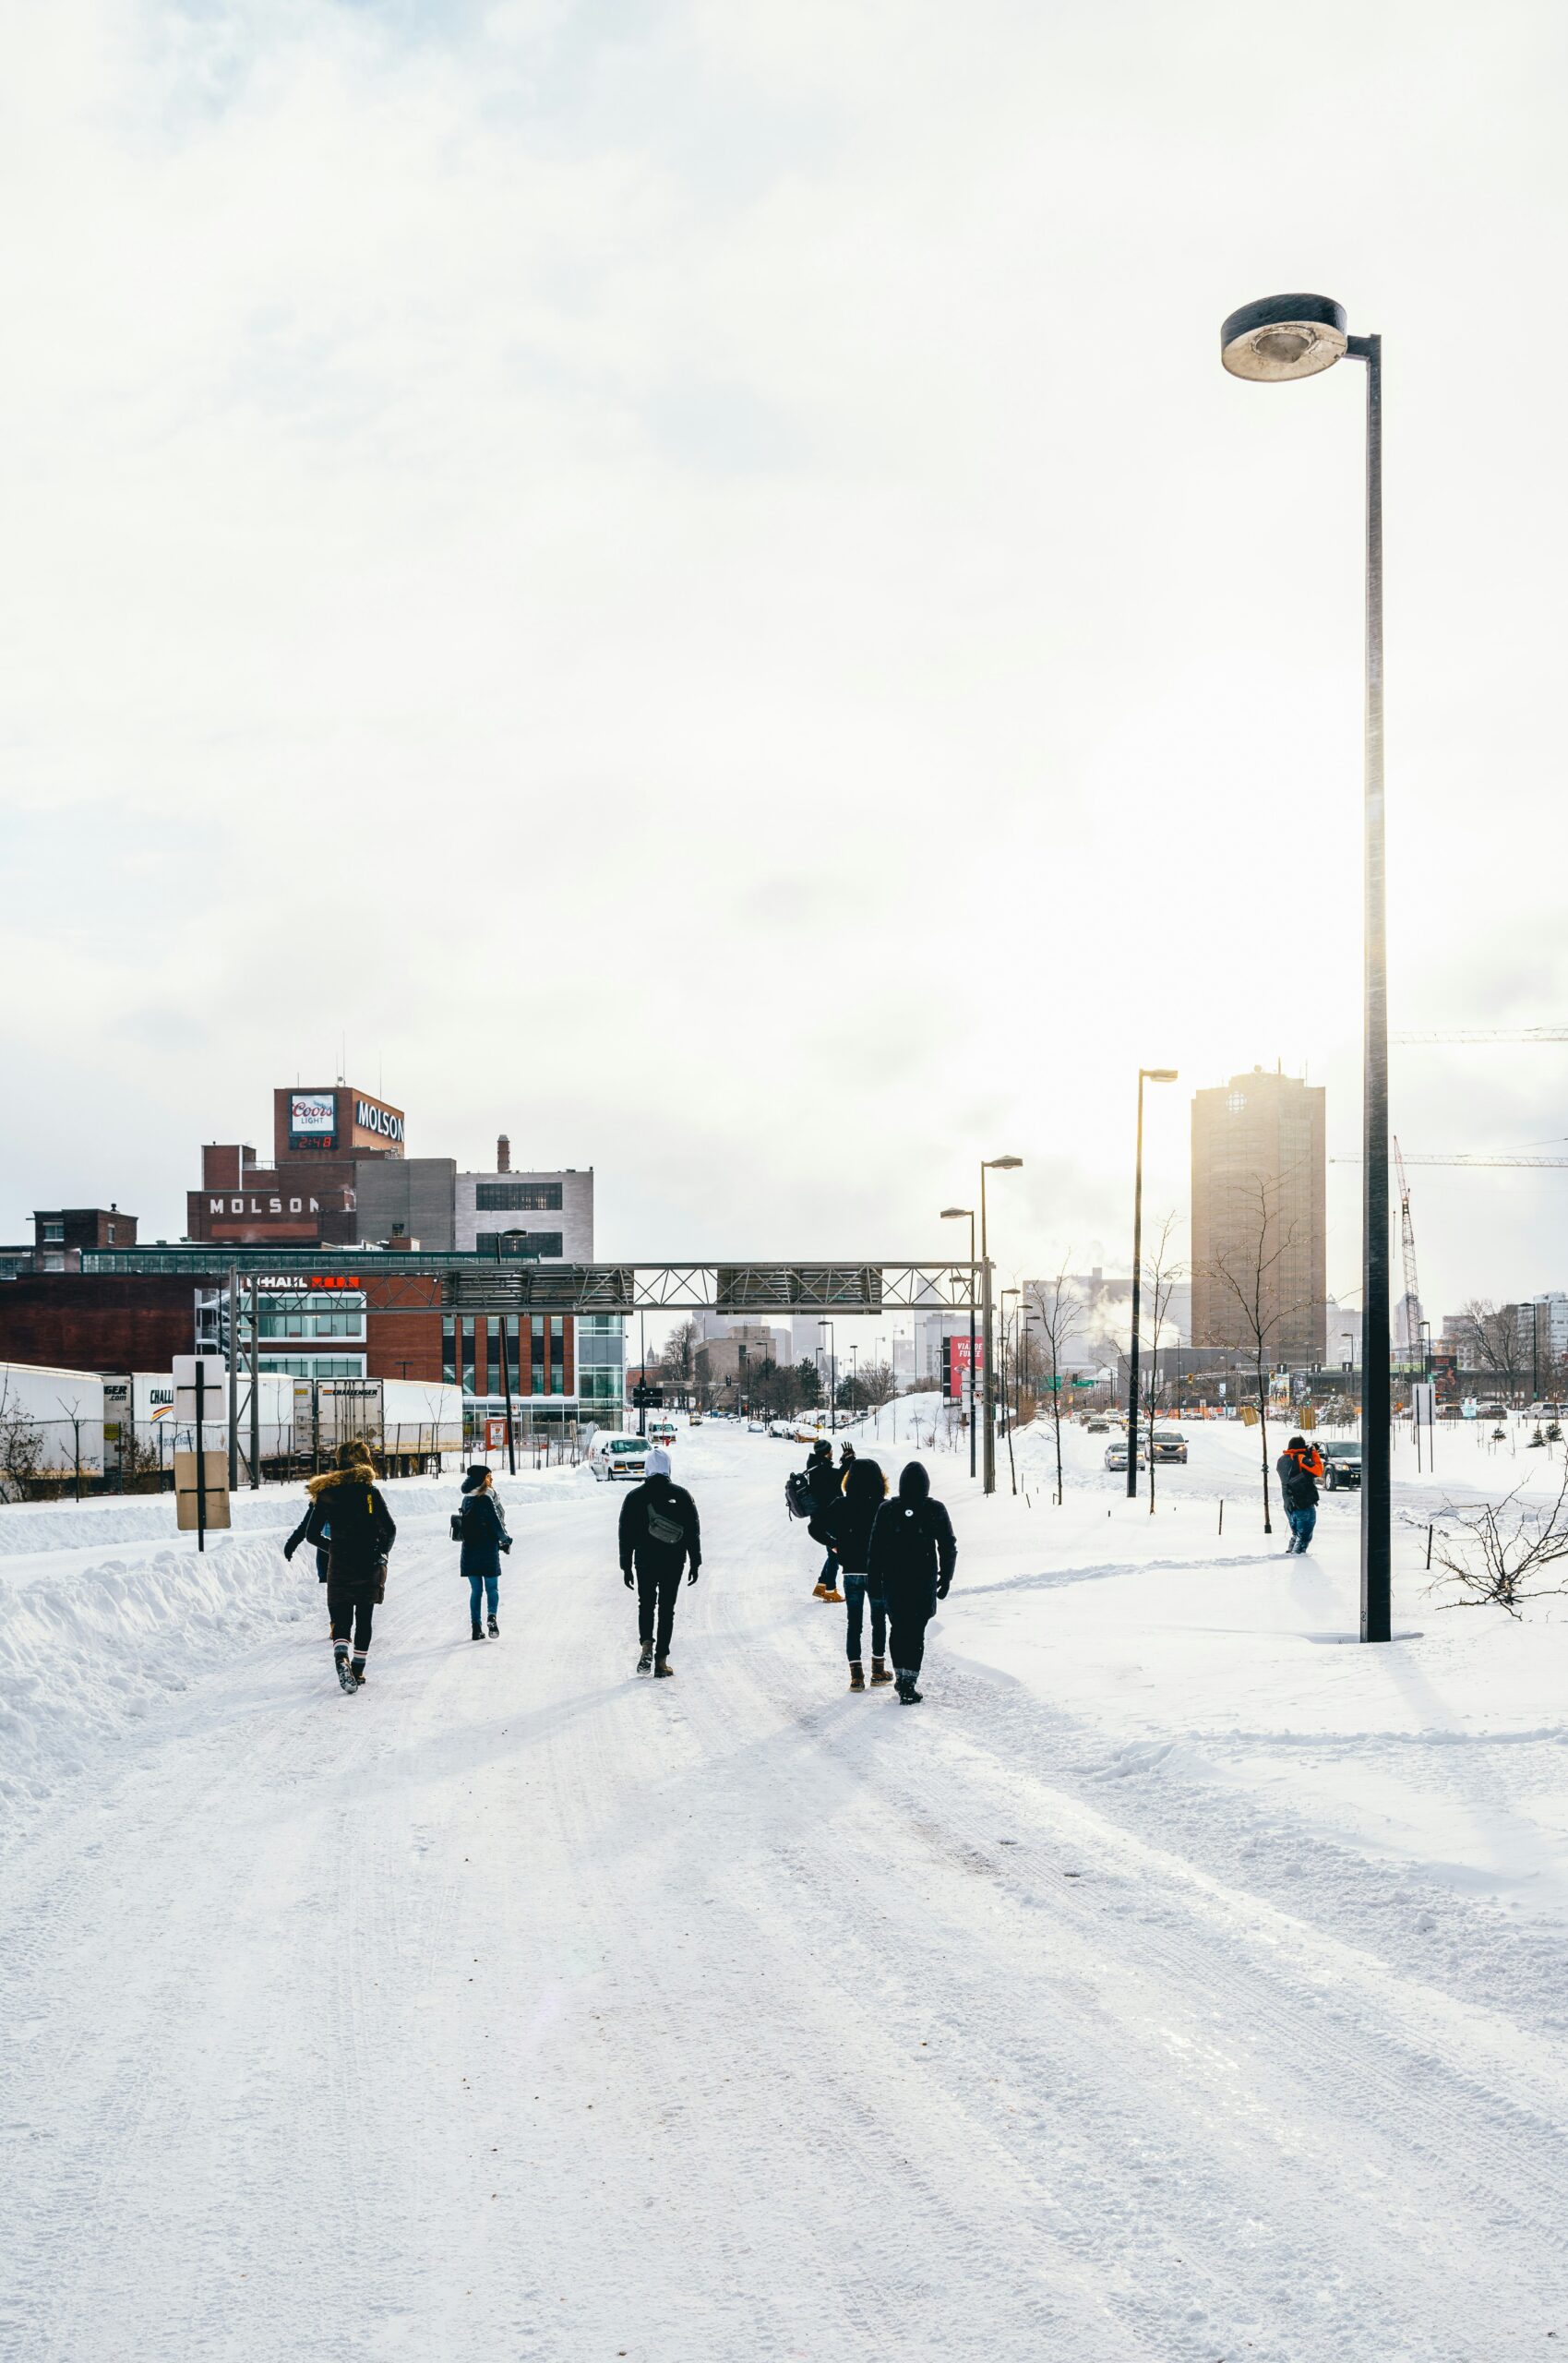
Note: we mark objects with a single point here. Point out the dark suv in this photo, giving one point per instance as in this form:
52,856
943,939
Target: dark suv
1341,1465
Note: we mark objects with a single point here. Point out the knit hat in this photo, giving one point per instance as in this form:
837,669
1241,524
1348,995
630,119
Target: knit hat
475,1478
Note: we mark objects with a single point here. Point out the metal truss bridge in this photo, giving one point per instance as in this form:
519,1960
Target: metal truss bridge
474,1283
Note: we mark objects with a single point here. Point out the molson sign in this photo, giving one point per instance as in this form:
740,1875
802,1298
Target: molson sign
385,1125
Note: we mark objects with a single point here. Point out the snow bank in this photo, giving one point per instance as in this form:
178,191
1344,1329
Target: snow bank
85,1660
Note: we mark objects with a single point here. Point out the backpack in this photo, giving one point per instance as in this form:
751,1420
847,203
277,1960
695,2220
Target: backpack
663,1529
797,1493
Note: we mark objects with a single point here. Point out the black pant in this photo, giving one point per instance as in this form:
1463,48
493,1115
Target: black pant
910,1610
351,1603
661,1583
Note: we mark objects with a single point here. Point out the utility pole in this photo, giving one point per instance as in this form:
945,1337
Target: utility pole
255,1386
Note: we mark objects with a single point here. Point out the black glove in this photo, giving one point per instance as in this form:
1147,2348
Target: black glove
692,1577
944,1587
290,1547
631,1579
506,1543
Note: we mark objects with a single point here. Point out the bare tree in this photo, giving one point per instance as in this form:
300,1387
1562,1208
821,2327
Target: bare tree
680,1357
1495,1553
1489,1343
22,1450
1159,1278
1254,1306
1058,1310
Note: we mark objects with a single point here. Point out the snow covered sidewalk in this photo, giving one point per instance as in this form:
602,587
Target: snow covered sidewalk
518,2009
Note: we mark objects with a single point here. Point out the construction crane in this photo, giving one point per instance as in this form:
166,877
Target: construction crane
1410,1306
1543,1162
1489,1034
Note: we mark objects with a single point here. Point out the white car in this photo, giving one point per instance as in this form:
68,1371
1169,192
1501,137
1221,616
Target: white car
618,1456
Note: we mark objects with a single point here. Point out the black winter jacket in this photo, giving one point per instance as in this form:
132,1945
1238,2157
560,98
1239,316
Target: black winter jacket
827,1485
657,1503
485,1535
914,1550
1298,1474
865,1491
361,1528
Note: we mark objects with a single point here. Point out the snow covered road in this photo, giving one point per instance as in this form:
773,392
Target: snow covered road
520,2009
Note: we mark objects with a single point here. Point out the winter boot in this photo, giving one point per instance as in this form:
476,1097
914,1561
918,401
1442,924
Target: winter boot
857,1674
663,1669
478,1633
357,1670
835,1595
341,1660
880,1672
495,1630
645,1662
822,1593
906,1690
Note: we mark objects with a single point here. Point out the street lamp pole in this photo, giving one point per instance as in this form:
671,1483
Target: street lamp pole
832,1371
988,1464
1145,1074
1280,337
961,1214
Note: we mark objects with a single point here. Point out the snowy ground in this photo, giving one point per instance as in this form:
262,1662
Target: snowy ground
1179,1982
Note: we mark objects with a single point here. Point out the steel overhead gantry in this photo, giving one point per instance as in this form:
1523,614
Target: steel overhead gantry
443,1280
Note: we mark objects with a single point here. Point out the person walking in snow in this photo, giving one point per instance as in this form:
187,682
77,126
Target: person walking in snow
825,1485
485,1537
1299,1467
661,1538
349,1512
911,1561
865,1491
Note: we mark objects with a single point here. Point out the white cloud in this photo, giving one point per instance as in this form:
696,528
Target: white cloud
720,529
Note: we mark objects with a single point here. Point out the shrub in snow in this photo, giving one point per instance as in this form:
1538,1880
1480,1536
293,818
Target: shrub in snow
1495,1555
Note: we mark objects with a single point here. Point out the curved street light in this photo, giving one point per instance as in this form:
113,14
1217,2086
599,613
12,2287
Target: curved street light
1270,341
989,1468
966,1214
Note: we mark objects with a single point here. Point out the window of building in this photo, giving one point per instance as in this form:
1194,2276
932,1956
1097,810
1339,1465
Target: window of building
468,1385
518,1198
557,1354
526,1242
536,1355
109,1232
449,1349
53,1234
316,1366
288,1322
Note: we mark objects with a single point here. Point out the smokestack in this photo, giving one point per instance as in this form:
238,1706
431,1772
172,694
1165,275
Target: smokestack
503,1155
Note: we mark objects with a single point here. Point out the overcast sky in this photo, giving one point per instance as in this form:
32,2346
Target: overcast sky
686,579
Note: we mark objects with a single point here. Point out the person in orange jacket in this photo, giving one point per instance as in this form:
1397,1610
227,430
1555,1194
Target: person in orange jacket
1299,1467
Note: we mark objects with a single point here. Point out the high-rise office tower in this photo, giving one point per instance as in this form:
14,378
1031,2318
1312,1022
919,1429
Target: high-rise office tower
1258,1188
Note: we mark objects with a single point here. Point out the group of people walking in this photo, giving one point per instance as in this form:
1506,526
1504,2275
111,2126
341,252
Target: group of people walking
895,1555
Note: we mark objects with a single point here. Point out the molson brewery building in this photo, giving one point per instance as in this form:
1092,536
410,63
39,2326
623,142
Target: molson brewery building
338,1176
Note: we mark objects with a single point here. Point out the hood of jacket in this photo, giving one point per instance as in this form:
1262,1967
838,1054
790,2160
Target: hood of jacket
913,1485
361,1474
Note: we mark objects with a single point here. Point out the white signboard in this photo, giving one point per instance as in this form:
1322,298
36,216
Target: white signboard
313,1113
214,1389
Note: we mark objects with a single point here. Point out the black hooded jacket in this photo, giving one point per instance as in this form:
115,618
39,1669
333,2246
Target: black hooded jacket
865,1491
912,1549
349,1512
660,1529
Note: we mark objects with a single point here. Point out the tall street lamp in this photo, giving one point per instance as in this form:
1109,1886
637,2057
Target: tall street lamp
989,1165
966,1214
1279,338
1145,1074
832,1371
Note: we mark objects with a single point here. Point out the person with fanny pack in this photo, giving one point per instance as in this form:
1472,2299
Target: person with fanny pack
660,1534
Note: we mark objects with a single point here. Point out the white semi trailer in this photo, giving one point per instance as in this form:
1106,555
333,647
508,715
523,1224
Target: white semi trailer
51,1426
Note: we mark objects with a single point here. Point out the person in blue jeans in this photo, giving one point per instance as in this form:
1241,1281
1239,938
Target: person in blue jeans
1299,1467
865,1491
485,1537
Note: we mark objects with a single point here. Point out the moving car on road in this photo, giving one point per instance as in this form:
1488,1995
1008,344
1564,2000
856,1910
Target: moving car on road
1115,1454
1169,1445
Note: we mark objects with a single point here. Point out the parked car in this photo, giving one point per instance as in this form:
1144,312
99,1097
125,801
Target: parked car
1342,1466
1169,1444
612,1457
756,1427
1115,1454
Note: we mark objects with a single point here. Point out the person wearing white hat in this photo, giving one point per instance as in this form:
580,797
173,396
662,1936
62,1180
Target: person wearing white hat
661,1539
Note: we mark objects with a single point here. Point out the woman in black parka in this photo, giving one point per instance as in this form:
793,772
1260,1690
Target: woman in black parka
485,1537
865,1491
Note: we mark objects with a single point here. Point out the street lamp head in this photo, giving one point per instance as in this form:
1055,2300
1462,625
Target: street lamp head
958,1214
1282,336
1000,1164
1158,1074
